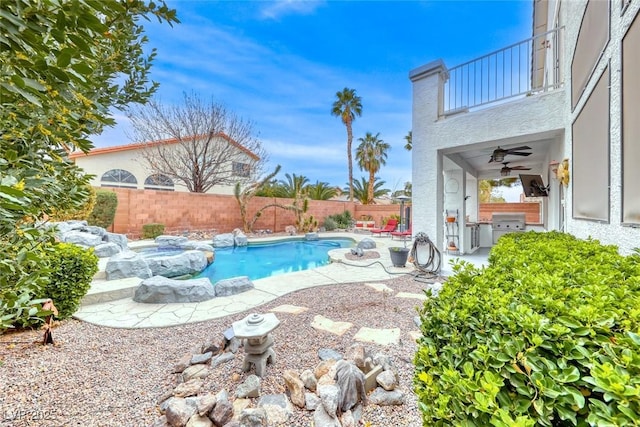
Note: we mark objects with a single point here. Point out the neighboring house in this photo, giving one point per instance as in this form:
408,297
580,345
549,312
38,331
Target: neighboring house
567,100
124,166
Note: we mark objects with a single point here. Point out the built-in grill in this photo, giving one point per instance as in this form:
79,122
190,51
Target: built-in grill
503,223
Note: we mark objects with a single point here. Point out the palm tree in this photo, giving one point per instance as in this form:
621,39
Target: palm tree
293,187
321,191
347,106
409,138
361,190
371,154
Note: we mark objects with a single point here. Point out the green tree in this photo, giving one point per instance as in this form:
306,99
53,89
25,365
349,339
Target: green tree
347,106
293,186
371,155
321,191
65,65
409,138
361,190
488,189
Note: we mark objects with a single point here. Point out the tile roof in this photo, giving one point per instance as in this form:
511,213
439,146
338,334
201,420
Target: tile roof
138,145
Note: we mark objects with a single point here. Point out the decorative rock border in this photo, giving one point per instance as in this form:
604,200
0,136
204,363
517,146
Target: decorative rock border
335,390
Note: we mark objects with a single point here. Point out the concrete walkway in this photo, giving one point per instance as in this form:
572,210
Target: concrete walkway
109,303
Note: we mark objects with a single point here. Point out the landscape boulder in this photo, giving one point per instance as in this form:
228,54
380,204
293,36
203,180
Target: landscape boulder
127,264
119,239
224,240
162,290
232,286
367,243
82,238
188,262
239,238
93,229
106,250
64,227
166,241
197,246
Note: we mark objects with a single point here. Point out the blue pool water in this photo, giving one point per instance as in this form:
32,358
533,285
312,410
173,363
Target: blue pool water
262,260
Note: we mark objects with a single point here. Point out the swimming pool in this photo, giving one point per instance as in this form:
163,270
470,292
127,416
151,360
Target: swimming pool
260,260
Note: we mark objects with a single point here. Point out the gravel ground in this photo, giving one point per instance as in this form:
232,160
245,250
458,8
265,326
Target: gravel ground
99,376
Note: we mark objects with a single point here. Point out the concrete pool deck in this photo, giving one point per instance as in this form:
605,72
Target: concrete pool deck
110,303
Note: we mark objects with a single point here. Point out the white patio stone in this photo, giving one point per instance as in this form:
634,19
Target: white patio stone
378,336
325,324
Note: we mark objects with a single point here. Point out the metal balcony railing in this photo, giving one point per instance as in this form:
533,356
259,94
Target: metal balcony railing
524,68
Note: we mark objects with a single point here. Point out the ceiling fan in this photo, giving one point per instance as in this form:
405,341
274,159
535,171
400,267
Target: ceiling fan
499,153
506,170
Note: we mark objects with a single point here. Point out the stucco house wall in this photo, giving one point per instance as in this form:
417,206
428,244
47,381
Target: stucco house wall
613,232
130,158
540,116
530,118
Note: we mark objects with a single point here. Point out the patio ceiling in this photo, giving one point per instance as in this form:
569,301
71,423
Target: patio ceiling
474,159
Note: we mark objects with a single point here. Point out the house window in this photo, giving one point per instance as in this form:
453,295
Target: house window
590,175
158,182
241,169
592,40
118,178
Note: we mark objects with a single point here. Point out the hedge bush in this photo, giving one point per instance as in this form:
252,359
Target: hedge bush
153,230
548,334
104,211
71,271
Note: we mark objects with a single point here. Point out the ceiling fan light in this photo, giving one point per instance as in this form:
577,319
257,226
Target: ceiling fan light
505,171
498,156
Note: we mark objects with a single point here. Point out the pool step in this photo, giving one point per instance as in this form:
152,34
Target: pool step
110,290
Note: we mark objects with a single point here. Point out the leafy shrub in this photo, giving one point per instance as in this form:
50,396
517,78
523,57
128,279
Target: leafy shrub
19,305
80,213
104,211
71,271
153,230
546,335
330,224
342,220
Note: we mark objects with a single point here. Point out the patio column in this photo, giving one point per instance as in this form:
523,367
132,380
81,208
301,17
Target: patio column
427,180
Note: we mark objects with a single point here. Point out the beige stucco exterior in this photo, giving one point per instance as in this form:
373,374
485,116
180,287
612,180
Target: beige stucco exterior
130,158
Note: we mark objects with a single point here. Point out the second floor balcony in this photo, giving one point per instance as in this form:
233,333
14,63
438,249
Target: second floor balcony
521,69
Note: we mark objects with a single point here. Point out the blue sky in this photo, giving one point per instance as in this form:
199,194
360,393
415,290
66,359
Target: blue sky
279,64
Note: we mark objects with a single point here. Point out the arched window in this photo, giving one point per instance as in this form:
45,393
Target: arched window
158,182
118,178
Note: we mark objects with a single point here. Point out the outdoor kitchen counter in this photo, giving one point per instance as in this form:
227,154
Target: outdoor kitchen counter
486,237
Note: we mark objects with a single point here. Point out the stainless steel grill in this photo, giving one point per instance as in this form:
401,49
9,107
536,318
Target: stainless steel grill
503,223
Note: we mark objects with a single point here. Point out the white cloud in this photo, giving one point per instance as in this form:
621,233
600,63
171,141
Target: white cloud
278,8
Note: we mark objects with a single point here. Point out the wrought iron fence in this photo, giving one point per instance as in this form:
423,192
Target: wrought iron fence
524,68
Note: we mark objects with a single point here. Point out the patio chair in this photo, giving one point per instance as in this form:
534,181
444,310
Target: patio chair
388,228
401,234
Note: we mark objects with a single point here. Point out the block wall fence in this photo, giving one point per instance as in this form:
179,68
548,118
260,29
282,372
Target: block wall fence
181,211
530,209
